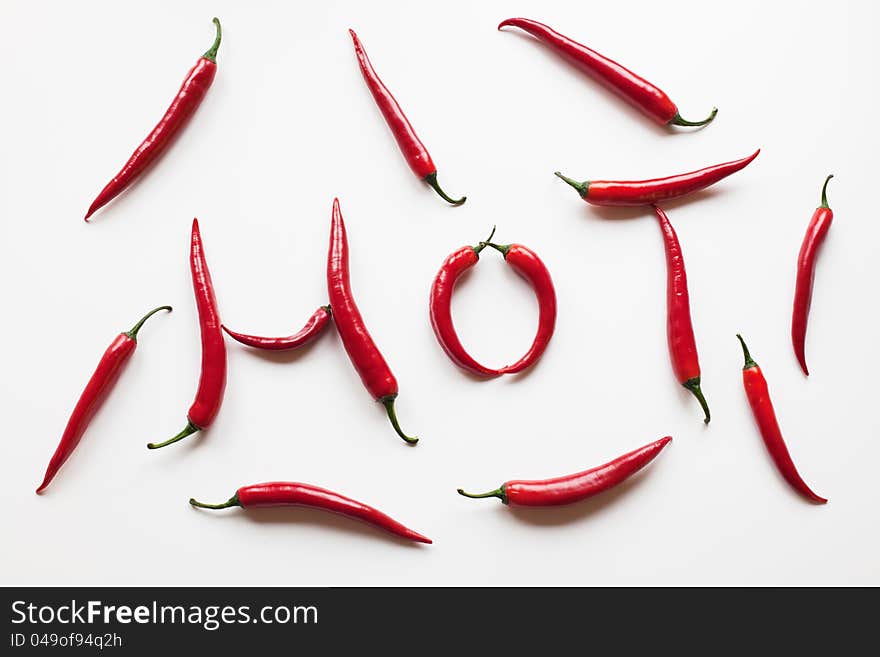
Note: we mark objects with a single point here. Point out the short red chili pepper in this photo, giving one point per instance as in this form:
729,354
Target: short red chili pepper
806,268
762,408
313,328
280,493
679,328
362,351
96,391
527,264
212,381
192,93
649,192
575,487
411,146
638,91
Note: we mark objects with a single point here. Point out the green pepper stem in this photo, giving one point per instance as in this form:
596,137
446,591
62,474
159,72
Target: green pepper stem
431,179
748,357
211,53
581,187
502,248
677,120
482,245
137,327
232,501
388,403
188,430
694,386
824,188
498,492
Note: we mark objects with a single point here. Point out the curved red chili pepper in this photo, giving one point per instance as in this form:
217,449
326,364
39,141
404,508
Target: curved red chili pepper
762,408
212,381
575,487
806,268
638,91
649,192
280,493
362,351
99,386
679,329
184,105
313,328
440,306
411,146
527,264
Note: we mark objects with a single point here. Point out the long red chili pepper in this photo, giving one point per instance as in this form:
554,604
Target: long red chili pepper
679,329
96,391
806,268
575,487
649,192
212,381
638,91
362,351
762,408
440,306
411,146
527,264
184,105
280,493
313,328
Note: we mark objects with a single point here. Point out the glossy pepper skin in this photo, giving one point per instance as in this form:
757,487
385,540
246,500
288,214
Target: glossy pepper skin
362,351
212,381
408,141
440,307
573,488
191,94
282,493
806,268
758,395
649,192
313,328
527,264
99,386
679,328
638,91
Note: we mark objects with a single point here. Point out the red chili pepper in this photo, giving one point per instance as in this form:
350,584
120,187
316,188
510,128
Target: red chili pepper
362,351
679,329
527,264
638,91
313,328
576,487
411,146
649,192
280,493
803,291
762,408
212,381
96,391
184,105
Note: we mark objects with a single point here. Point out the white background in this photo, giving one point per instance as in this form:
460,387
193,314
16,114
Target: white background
287,126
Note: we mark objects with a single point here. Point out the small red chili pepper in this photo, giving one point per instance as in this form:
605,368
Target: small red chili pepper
313,328
806,268
411,146
527,264
575,487
184,105
362,351
649,192
638,91
279,493
212,381
679,328
762,408
96,391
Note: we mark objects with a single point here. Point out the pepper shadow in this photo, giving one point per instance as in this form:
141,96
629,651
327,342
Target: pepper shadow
333,522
